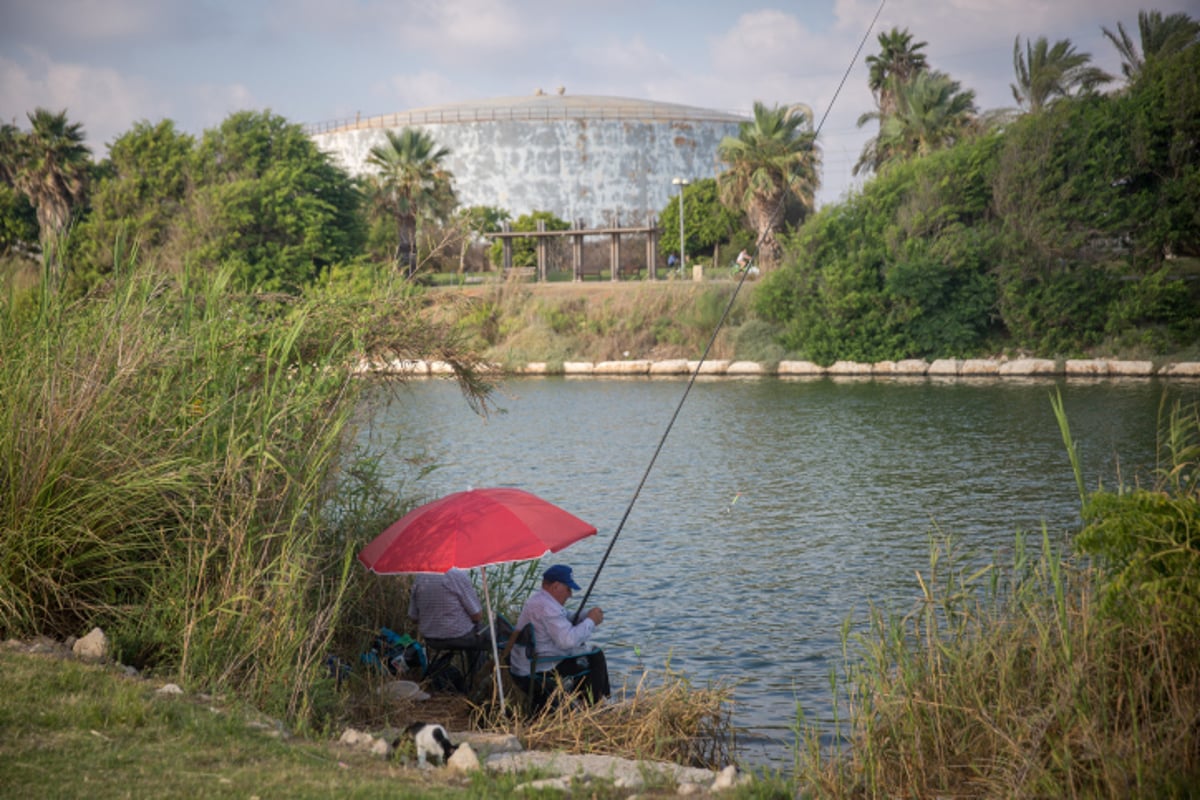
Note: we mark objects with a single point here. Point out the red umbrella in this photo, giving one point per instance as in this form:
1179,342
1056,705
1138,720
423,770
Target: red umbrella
476,528
471,529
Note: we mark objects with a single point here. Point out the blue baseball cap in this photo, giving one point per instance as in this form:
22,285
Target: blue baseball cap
560,573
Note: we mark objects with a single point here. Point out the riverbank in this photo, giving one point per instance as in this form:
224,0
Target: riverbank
529,328
913,368
76,725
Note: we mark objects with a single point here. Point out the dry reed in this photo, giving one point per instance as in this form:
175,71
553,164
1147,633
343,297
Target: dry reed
668,721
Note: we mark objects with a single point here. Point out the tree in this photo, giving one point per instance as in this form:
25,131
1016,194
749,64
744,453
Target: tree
524,250
18,220
475,221
1045,72
1160,36
898,63
707,223
411,185
773,161
900,270
50,165
140,196
932,112
271,204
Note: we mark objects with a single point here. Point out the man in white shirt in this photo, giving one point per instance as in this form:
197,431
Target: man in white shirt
557,637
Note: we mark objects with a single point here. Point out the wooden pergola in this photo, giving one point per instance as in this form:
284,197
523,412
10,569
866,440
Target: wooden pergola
577,234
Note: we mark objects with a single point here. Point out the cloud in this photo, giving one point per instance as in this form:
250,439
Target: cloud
105,102
109,103
68,23
423,88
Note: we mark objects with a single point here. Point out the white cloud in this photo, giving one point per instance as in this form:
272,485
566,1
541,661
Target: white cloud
65,23
423,88
105,102
109,103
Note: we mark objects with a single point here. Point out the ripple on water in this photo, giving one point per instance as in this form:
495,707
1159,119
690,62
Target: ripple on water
776,510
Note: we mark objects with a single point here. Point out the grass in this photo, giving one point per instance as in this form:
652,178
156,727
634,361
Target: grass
74,729
171,455
516,323
69,729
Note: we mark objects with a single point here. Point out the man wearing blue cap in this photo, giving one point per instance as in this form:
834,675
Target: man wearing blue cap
557,638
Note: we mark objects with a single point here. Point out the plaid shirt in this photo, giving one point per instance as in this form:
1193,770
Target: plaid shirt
443,605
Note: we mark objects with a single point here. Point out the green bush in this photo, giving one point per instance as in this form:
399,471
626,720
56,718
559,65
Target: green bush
1147,538
899,271
168,454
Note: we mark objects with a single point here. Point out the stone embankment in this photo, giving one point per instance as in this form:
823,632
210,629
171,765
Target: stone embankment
911,368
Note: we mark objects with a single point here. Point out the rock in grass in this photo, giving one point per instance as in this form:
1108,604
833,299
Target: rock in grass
464,759
93,647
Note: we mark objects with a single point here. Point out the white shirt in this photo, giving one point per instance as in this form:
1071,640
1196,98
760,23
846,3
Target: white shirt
552,630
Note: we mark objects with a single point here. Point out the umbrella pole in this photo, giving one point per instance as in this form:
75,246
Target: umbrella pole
492,626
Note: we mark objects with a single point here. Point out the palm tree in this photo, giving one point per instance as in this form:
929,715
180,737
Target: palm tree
411,185
49,165
10,136
1160,36
932,112
772,163
898,61
1045,72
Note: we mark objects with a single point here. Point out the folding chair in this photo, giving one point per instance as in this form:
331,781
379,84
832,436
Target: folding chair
540,685
459,669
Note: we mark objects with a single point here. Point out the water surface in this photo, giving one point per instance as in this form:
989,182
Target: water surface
777,509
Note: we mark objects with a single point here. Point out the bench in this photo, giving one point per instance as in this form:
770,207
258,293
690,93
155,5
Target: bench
520,273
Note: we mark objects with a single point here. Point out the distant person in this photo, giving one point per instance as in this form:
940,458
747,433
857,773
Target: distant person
743,259
556,635
672,261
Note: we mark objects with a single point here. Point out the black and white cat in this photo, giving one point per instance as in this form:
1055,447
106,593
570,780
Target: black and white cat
432,742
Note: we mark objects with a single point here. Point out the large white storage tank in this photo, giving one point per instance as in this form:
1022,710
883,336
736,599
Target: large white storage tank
596,160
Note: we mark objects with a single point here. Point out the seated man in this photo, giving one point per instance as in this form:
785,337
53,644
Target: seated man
447,611
450,618
555,635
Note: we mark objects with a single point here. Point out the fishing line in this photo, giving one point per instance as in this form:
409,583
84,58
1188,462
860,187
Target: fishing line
720,323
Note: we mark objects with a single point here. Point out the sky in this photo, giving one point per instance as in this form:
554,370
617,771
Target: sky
113,63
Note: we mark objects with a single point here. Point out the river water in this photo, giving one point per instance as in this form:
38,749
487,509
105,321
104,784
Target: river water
777,510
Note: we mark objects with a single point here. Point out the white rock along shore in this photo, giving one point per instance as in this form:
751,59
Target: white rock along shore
948,368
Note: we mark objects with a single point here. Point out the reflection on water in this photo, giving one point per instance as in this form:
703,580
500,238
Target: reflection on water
777,509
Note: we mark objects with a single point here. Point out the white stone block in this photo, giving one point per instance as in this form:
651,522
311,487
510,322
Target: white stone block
1029,366
578,367
746,368
799,368
621,368
943,366
911,366
1086,367
979,366
1184,369
1131,369
849,368
677,366
710,367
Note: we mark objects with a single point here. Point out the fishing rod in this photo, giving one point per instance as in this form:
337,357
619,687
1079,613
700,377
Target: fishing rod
720,323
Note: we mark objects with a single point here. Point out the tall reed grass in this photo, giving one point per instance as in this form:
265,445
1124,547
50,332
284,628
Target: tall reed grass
1053,675
175,467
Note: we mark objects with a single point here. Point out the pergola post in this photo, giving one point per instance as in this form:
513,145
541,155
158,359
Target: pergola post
541,250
